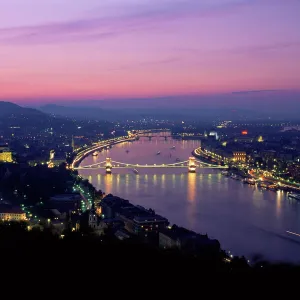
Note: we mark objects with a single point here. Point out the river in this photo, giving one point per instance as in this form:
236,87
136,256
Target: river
245,219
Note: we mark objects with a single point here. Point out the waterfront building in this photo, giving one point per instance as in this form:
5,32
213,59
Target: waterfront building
239,156
9,213
182,238
141,221
137,219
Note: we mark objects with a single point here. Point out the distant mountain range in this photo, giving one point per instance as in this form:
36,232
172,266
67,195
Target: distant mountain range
73,112
159,112
244,105
240,105
8,109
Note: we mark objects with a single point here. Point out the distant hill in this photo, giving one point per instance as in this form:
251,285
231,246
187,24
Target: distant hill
8,109
73,112
116,111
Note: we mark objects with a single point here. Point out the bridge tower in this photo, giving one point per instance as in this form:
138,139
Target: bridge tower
108,165
192,164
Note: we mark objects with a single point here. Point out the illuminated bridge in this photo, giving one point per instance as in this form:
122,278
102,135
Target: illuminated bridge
191,164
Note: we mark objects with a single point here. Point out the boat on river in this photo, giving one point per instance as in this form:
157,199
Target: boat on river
294,196
273,187
158,152
95,153
249,181
235,177
173,147
263,184
135,171
225,173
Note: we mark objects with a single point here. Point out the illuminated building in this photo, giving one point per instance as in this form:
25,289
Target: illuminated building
260,139
6,156
108,165
8,213
215,134
239,156
137,220
52,154
192,164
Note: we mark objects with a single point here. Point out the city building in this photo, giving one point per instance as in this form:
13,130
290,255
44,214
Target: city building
260,139
98,224
244,139
141,221
6,157
5,154
214,134
52,155
10,213
182,238
65,202
95,223
137,219
239,156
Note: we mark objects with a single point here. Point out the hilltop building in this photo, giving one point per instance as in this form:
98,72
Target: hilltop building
10,213
5,154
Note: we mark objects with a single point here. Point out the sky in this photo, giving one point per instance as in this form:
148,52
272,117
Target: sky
53,50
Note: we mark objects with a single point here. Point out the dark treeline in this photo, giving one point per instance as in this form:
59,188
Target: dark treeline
32,185
87,252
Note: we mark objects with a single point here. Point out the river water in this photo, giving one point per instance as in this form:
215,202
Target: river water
245,219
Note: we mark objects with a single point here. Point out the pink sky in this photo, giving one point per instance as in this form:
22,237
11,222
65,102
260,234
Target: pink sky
141,48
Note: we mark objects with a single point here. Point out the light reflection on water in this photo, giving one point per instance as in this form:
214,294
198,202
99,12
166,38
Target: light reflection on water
245,219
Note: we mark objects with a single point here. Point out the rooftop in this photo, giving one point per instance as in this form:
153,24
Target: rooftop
135,212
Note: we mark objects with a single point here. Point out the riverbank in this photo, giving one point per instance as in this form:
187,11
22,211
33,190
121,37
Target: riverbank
99,146
198,154
128,254
205,201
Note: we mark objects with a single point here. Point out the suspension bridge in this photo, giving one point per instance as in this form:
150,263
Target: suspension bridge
191,164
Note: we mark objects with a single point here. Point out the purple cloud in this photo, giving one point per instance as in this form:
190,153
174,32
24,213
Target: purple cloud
97,28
